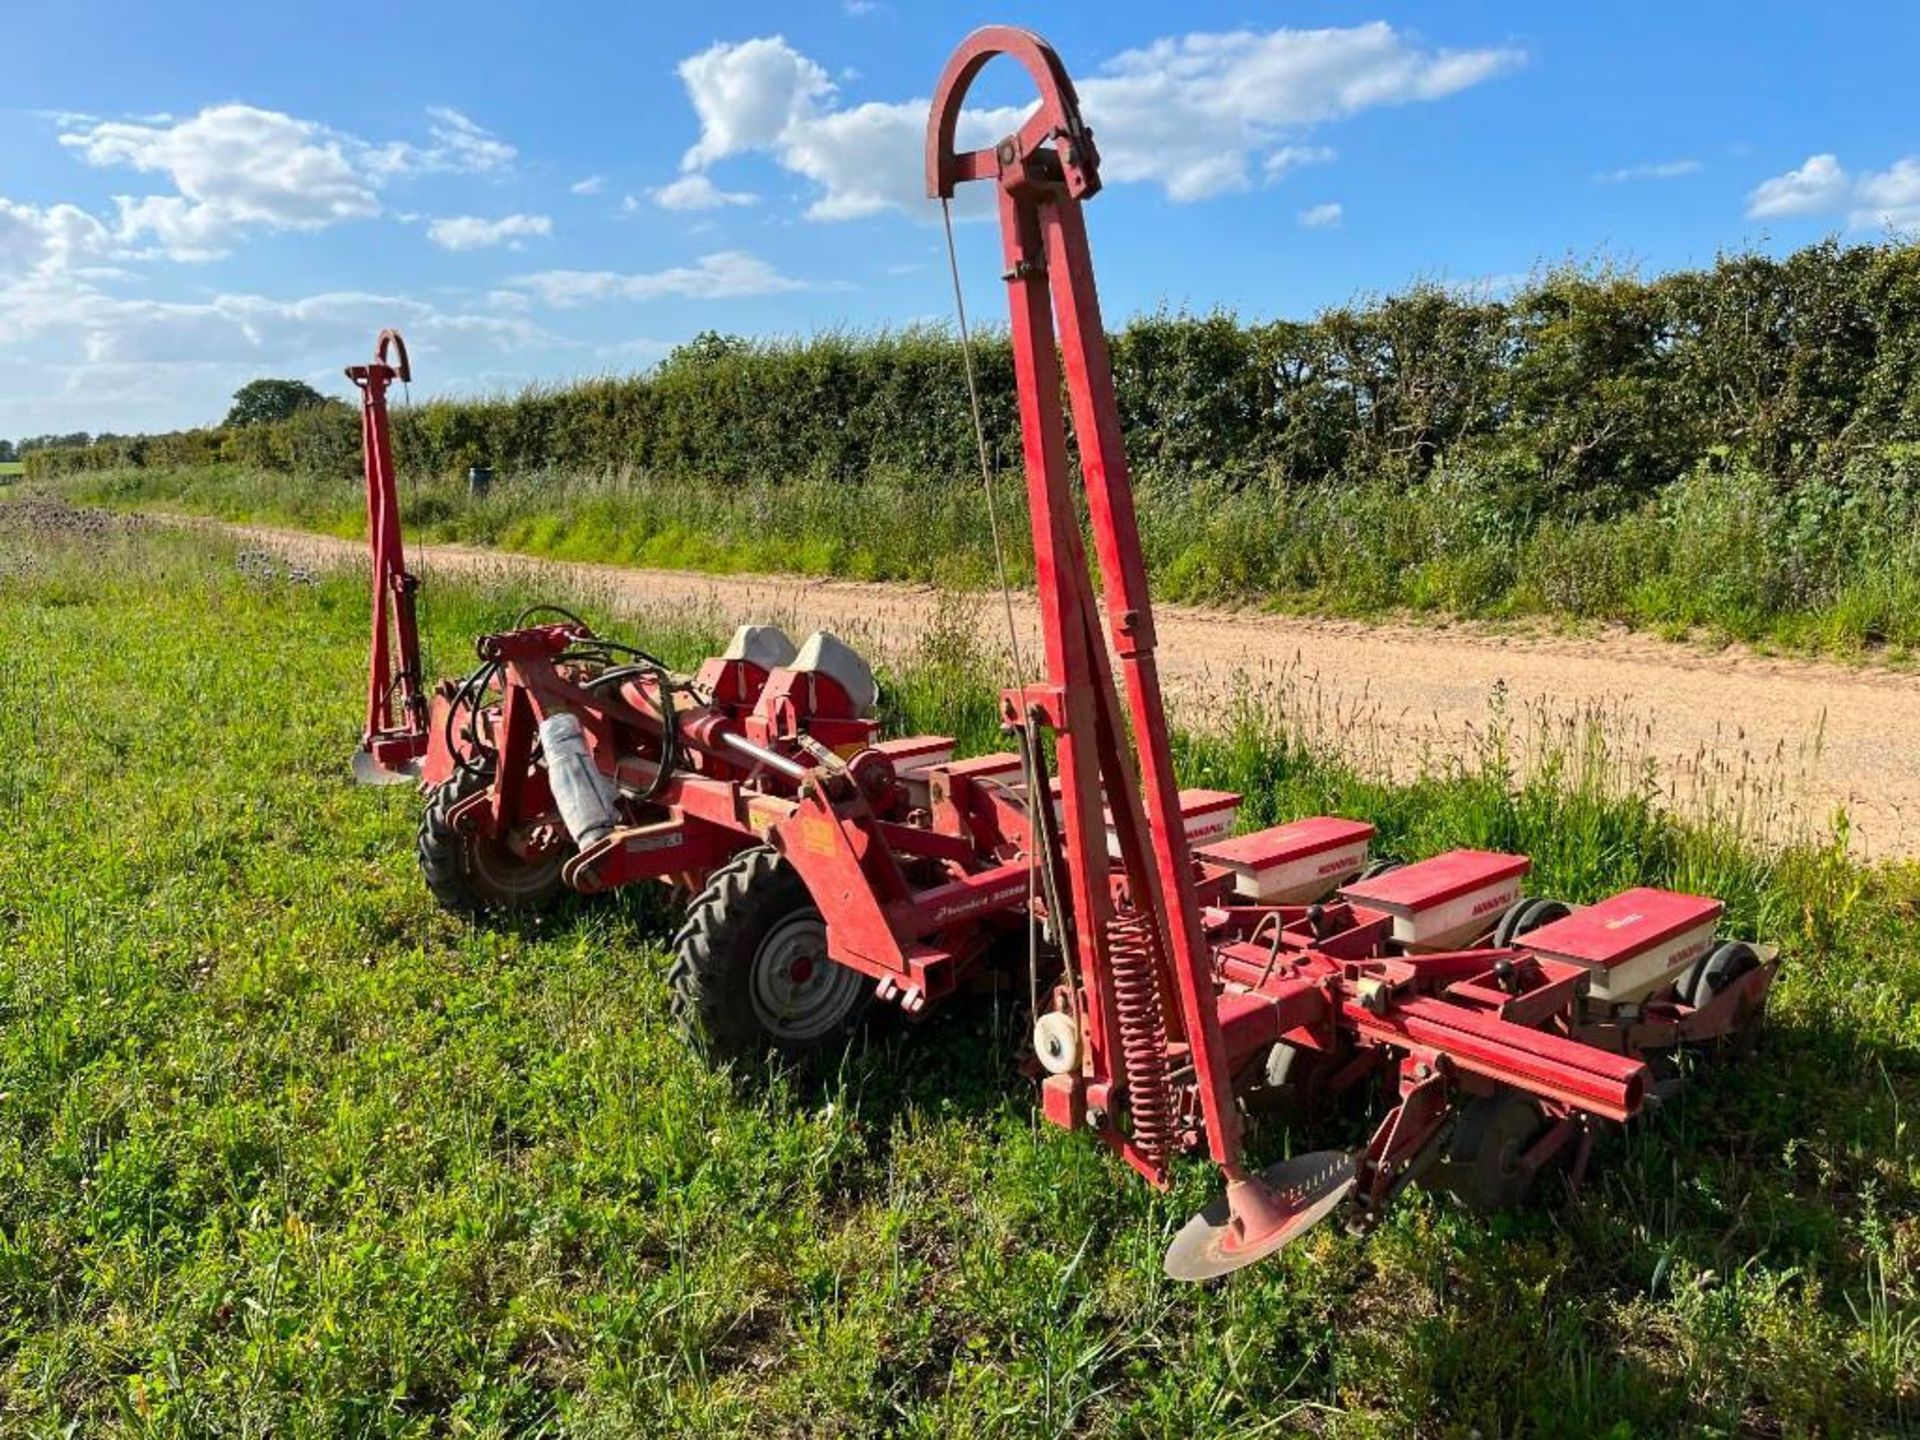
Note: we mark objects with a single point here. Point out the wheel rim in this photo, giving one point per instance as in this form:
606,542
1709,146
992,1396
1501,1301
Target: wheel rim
507,874
799,993
1515,1136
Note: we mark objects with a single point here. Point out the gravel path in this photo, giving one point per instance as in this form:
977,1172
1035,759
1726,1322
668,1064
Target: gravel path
1784,740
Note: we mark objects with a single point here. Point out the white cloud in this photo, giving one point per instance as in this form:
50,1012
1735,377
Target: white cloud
592,185
724,274
1888,199
1817,187
238,168
697,192
130,365
864,159
233,166
1292,157
1191,112
471,232
1322,217
1655,170
96,347
459,147
748,95
55,237
109,329
1195,114
871,158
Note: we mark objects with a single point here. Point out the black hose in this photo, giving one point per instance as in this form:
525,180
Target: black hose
664,685
591,647
520,620
468,695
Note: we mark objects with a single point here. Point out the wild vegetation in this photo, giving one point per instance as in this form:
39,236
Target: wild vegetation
284,1149
1728,449
1829,565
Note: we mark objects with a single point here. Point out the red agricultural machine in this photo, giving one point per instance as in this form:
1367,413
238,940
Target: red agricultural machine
1181,974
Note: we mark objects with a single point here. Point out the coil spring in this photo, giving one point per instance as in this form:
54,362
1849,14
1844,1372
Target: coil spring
1132,945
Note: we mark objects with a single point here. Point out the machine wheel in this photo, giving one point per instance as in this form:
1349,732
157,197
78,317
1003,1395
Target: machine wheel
1527,913
1716,970
1290,1083
750,965
1380,866
1482,1165
475,875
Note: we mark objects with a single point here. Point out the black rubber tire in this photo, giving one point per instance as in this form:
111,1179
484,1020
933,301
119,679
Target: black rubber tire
1482,1162
1381,866
1289,1083
472,876
722,964
1716,970
1527,913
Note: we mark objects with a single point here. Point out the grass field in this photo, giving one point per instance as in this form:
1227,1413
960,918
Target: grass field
11,469
285,1150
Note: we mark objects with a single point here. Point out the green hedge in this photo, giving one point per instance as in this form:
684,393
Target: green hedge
1585,383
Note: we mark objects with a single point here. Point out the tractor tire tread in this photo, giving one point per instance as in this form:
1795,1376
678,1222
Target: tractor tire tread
445,863
706,980
699,995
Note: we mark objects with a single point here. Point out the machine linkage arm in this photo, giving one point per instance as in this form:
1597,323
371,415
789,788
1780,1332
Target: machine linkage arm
1143,958
395,737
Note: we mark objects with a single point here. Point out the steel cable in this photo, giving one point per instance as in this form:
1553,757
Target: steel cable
1029,740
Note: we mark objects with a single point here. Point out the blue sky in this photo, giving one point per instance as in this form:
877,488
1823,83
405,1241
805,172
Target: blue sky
540,192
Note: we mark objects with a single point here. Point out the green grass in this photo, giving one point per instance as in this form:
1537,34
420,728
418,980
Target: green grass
1828,567
11,469
285,1150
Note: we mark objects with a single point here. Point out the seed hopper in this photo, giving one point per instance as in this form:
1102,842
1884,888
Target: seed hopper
1186,976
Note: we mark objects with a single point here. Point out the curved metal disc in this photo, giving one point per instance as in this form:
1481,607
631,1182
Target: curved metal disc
1305,1189
368,771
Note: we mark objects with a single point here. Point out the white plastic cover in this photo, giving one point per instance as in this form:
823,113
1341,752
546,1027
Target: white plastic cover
767,646
838,661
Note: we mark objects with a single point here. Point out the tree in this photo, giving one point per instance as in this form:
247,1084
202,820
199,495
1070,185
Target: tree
52,442
260,402
709,347
6,452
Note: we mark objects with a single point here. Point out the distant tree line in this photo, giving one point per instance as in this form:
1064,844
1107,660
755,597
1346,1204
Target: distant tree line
19,449
258,402
1585,387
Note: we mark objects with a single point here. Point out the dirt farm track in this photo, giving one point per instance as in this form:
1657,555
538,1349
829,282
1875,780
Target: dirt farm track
1826,734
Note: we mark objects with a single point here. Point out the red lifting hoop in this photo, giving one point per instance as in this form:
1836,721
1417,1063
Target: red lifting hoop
1057,119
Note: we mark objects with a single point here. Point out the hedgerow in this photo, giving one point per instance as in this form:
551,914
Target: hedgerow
1587,389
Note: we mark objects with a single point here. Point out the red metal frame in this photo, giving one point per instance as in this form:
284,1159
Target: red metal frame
395,736
1178,987
1041,173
